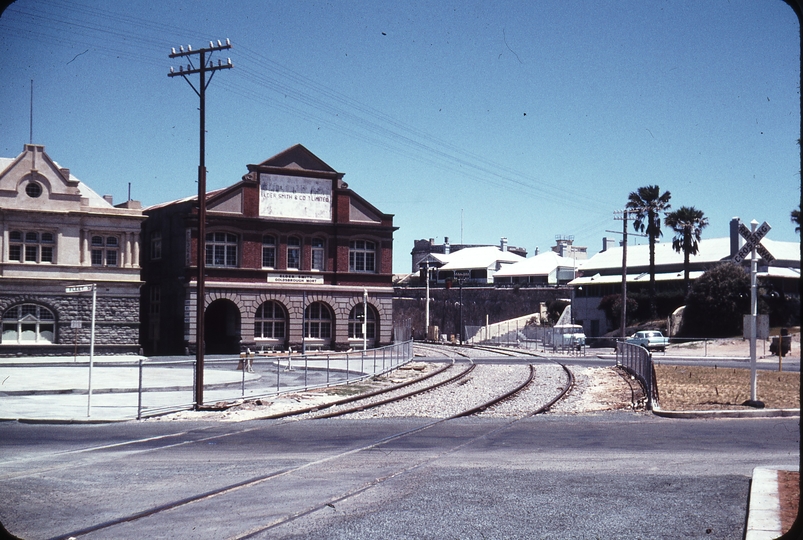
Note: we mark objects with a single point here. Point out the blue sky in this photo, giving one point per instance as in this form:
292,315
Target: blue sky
467,120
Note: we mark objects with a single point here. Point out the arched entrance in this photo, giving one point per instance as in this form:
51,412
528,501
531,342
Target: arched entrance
222,328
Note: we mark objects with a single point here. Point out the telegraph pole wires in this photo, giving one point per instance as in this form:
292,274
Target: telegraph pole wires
624,215
204,66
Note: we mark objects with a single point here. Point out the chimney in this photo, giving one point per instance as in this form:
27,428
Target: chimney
536,250
446,247
734,235
503,244
608,243
109,199
65,173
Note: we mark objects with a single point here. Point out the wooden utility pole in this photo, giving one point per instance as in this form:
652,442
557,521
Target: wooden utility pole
204,66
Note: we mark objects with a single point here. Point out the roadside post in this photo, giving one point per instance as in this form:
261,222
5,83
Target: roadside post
75,325
752,245
77,289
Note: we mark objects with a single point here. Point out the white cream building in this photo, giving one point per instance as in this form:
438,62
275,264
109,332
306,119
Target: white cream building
56,232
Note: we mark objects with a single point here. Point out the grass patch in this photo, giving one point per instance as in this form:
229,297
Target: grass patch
710,388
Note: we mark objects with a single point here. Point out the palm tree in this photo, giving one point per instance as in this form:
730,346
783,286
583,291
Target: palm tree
688,224
646,204
796,218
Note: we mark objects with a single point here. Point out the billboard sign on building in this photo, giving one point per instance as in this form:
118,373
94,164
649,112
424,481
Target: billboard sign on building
295,197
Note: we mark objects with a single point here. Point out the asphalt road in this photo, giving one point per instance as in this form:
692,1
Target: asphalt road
612,475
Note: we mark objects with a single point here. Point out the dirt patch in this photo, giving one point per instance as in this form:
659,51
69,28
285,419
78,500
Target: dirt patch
682,388
601,389
789,497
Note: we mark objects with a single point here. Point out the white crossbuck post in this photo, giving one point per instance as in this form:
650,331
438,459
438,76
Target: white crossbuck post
752,245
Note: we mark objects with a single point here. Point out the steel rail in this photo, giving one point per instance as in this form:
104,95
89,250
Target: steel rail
351,399
394,399
224,490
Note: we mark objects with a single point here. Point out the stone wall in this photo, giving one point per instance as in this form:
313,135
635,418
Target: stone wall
444,309
116,324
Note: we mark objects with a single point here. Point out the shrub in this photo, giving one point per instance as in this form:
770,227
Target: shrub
717,302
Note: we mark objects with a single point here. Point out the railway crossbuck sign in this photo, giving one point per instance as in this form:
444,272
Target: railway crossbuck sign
753,241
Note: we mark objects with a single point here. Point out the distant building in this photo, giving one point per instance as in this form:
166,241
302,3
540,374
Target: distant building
57,232
542,270
423,248
601,275
289,251
564,246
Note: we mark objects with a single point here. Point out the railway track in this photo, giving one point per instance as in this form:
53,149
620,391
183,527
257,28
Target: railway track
281,479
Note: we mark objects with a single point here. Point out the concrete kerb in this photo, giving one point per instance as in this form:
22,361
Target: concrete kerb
764,512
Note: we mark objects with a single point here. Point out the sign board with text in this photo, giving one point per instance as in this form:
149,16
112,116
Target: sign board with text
79,288
753,241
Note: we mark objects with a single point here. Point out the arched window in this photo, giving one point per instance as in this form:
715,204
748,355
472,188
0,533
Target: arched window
270,323
318,324
29,323
356,322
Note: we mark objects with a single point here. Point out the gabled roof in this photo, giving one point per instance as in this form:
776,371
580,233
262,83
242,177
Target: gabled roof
297,157
542,264
479,257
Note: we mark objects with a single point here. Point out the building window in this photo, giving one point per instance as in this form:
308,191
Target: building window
105,250
31,246
356,321
221,249
28,323
317,254
268,251
270,321
294,252
33,189
318,322
156,245
362,256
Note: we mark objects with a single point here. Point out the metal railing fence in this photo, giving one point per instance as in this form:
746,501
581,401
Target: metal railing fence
638,361
257,376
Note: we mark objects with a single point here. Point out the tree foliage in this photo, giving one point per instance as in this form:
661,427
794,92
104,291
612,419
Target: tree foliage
611,305
688,223
647,204
717,302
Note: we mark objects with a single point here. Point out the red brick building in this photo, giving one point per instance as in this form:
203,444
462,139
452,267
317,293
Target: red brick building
290,252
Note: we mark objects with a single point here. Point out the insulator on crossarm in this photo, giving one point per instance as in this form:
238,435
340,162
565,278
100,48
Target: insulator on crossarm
181,48
219,44
189,48
219,61
228,43
172,70
211,45
181,69
228,61
172,50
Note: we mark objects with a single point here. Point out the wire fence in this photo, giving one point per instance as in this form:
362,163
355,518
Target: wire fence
251,376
